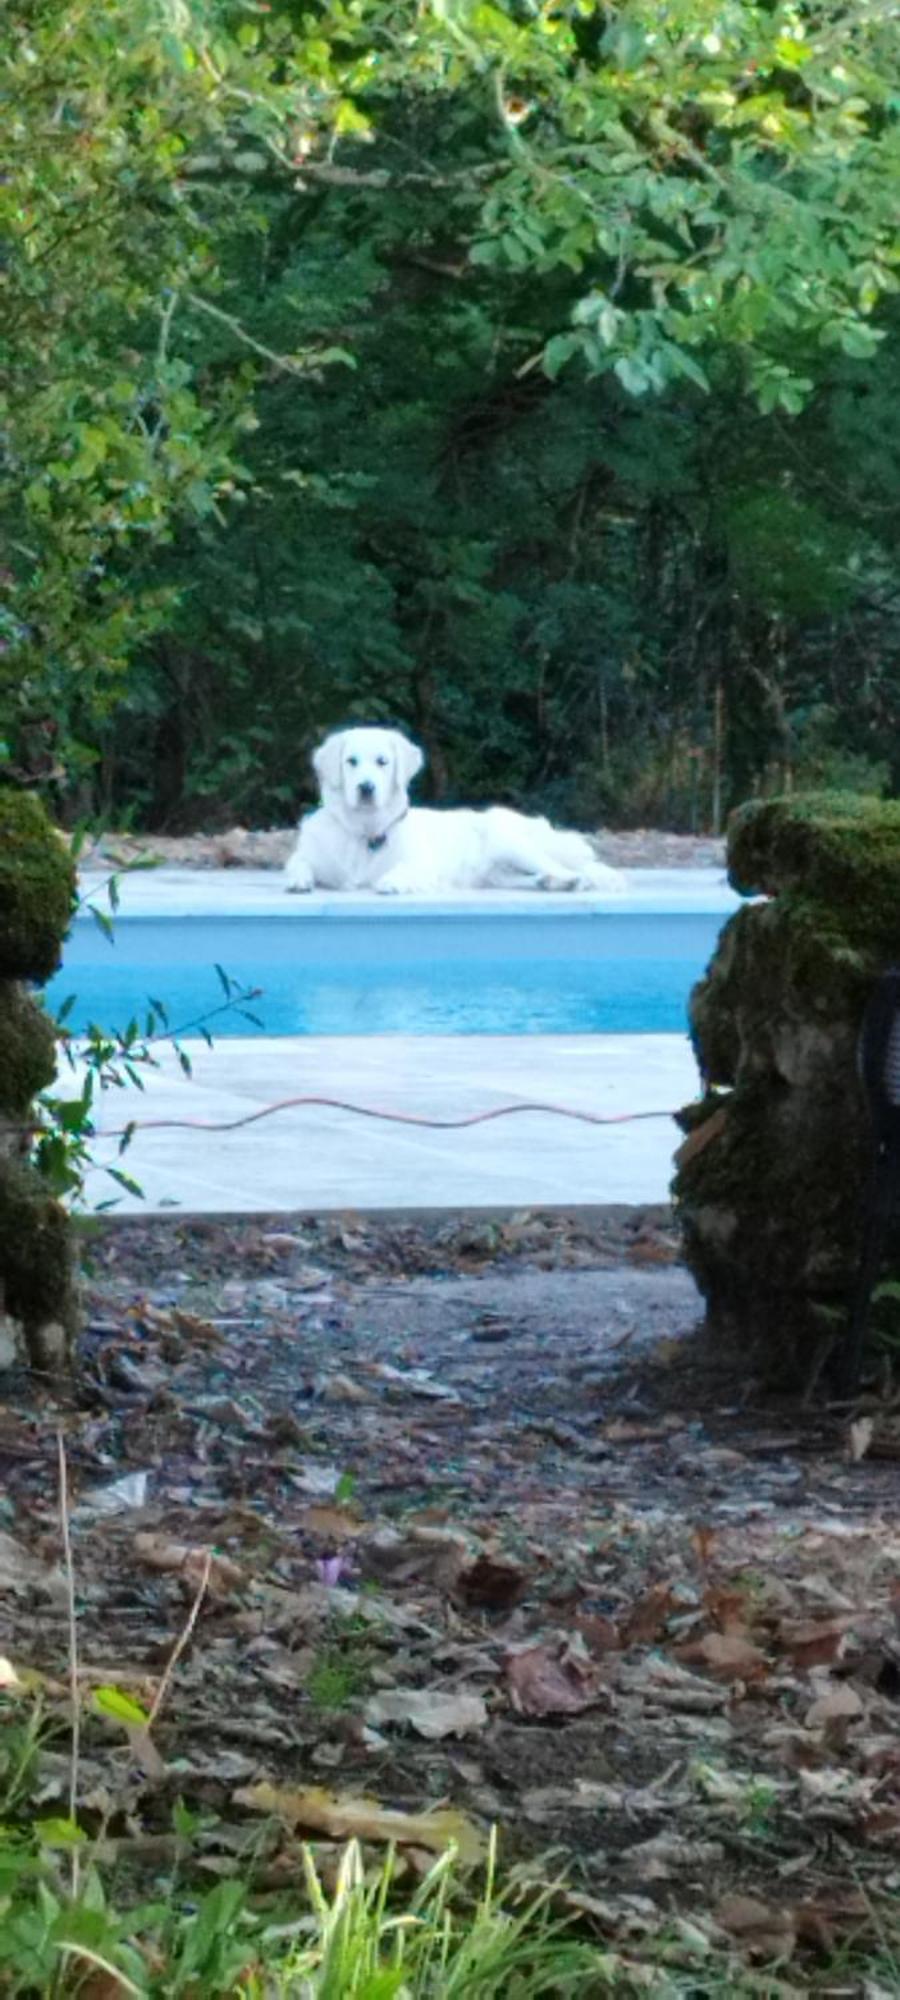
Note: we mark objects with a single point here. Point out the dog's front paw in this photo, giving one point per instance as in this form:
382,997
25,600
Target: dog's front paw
401,882
299,882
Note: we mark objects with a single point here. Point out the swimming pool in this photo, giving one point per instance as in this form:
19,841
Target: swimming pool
583,969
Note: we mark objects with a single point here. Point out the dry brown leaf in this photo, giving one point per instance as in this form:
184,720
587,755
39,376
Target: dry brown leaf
701,1137
727,1610
599,1634
160,1552
728,1655
423,1555
490,1583
840,1704
341,1389
815,1642
19,1570
332,1524
431,1712
625,1430
547,1682
364,1819
821,1923
761,1929
105,1985
704,1540
881,1823
203,1331
670,1854
647,1619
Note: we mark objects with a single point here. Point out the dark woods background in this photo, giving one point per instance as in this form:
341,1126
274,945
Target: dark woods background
610,603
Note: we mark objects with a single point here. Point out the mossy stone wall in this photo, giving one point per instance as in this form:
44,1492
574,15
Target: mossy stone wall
770,1180
38,1294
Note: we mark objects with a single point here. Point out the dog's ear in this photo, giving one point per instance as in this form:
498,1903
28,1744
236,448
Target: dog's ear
409,759
327,760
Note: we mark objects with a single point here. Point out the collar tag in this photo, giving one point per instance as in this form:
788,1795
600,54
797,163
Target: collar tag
377,841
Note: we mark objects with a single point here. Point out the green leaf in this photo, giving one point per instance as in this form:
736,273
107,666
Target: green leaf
59,1833
119,1707
103,922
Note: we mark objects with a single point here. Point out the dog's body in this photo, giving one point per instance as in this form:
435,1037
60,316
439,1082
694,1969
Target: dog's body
366,835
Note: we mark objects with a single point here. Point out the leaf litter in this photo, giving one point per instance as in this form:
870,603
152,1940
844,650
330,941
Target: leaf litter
414,1529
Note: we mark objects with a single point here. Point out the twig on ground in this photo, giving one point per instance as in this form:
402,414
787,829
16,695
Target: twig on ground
75,1699
180,1642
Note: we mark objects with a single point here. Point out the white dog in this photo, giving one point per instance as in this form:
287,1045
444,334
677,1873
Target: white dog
366,835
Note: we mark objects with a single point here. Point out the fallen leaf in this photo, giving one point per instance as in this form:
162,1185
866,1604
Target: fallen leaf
544,1682
815,1642
490,1583
349,1818
762,1930
648,1618
670,1854
820,1923
727,1610
413,1382
421,1555
728,1655
704,1540
159,1552
340,1389
19,1570
333,1524
701,1137
203,1331
429,1711
599,1634
319,1481
859,1438
120,1497
624,1430
841,1704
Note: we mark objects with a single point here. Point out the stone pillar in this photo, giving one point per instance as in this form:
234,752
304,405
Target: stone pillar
771,1178
38,1295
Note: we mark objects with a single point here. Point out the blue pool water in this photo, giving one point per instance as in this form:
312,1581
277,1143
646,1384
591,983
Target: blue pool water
449,973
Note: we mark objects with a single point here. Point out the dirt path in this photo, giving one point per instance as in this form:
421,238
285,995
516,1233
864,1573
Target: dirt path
481,1524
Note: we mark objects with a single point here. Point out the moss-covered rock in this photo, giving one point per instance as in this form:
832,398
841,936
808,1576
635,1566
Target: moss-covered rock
27,1049
38,1294
837,850
37,889
770,1180
39,1291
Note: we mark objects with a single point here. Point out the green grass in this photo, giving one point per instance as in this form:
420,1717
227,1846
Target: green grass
356,1941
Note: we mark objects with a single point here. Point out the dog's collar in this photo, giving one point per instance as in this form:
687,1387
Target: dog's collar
379,840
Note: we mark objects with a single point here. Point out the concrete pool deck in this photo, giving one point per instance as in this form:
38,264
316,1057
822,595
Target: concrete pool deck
318,1159
258,892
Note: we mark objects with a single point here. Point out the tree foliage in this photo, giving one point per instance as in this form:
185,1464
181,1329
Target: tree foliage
519,366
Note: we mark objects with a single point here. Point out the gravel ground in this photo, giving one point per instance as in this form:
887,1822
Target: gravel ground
240,847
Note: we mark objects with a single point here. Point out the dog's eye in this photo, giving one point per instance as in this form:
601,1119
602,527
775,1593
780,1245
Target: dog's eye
382,761
354,761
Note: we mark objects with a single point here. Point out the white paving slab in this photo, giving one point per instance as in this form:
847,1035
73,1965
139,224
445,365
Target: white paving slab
317,1158
180,892
320,1158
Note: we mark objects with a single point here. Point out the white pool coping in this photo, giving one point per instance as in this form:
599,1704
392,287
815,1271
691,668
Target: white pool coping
258,892
320,1159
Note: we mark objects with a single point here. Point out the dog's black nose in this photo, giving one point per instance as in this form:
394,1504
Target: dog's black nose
366,789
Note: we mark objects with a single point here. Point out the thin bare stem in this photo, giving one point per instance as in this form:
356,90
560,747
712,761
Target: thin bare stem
180,1642
74,1696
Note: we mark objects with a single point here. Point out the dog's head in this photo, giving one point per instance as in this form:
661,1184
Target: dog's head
366,769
